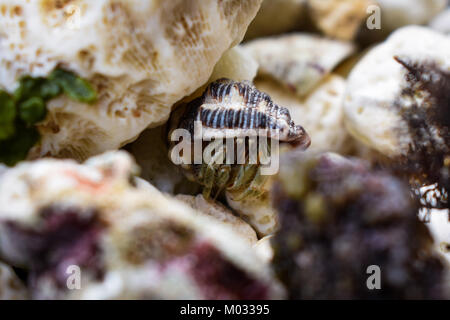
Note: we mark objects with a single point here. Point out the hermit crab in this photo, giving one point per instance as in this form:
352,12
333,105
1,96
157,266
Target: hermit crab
246,118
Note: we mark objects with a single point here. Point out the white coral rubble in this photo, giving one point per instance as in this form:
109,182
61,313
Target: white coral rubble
142,57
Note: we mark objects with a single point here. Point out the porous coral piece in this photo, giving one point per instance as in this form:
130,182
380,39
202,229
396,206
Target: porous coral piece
338,217
141,57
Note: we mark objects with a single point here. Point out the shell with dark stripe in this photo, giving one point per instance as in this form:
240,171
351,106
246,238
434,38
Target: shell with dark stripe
229,108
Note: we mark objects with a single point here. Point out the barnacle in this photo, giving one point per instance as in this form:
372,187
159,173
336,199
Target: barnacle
120,234
397,103
299,61
140,57
338,217
231,110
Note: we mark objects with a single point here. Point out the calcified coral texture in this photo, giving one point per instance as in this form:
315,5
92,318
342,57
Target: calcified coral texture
141,56
121,234
338,218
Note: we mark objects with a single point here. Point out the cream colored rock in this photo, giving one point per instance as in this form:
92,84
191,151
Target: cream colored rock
299,61
146,244
321,113
11,288
141,57
441,23
339,19
376,82
399,13
276,17
220,213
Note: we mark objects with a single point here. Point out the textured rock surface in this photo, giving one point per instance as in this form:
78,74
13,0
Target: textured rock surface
141,58
129,240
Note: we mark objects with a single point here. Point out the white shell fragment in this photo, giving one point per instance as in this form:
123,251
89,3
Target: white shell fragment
321,113
151,245
299,61
399,13
11,288
339,19
277,16
141,56
376,82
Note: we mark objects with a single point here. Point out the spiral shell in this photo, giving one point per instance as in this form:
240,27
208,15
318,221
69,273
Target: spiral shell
232,109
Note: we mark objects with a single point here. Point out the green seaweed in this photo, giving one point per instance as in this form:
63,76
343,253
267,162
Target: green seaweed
26,107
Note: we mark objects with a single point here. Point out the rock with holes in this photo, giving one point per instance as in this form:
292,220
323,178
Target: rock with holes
60,219
397,103
299,61
141,57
